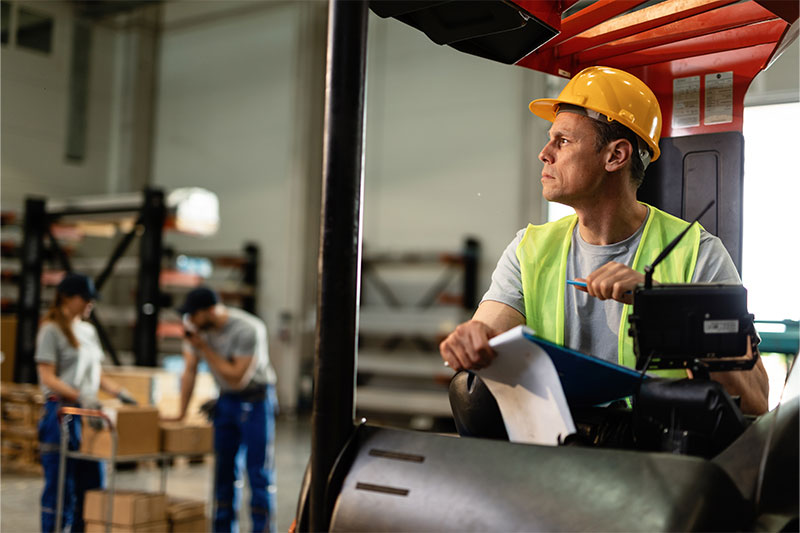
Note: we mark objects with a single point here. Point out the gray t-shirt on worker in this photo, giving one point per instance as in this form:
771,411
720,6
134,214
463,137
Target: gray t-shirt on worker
591,325
77,367
242,335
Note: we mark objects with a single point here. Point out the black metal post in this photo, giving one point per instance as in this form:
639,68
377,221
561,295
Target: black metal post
148,294
118,252
472,254
30,291
250,278
340,247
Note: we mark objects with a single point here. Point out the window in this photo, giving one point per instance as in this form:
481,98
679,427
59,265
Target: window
770,253
34,30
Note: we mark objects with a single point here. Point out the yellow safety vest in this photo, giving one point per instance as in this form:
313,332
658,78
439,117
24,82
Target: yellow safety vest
542,255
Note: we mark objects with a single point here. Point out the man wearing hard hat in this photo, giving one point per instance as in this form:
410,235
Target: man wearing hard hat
606,127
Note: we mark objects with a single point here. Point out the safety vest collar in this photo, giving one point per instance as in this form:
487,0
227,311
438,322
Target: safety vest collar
543,252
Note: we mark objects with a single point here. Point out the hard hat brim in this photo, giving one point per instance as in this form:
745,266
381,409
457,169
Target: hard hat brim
544,108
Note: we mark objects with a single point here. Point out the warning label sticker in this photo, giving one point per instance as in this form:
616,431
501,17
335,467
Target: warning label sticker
686,102
719,98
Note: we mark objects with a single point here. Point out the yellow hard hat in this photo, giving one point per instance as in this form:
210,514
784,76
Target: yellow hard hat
614,93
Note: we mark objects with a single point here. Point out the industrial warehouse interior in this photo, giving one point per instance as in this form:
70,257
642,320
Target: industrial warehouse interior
175,175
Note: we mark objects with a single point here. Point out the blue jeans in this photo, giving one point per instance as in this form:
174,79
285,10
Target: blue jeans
244,435
81,475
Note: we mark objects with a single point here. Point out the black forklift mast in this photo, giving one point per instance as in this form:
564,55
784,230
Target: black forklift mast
340,247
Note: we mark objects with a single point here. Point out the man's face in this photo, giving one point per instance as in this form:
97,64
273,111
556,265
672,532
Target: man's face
573,168
203,319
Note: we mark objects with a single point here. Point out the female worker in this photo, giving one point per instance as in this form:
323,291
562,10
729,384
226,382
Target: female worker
68,357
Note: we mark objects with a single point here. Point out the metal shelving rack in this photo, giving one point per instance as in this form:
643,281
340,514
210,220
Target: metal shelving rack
145,216
409,302
150,212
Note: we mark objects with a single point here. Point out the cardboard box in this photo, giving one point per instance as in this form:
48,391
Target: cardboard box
177,437
186,516
139,382
168,393
131,508
19,445
180,509
153,527
8,346
20,405
195,525
137,433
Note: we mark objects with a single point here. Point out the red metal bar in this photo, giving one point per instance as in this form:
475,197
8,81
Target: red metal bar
638,22
706,23
591,16
733,39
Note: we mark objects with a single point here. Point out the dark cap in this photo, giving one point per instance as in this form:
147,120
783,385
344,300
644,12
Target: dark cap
198,299
77,284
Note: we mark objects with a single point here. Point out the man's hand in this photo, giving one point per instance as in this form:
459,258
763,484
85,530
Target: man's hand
467,348
197,342
613,281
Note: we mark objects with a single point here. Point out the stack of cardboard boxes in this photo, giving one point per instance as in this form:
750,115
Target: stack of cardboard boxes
186,516
135,511
139,432
21,407
131,511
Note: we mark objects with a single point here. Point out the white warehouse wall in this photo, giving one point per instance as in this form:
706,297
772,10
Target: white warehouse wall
225,122
35,90
449,147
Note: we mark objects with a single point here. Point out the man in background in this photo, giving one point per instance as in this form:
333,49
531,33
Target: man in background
234,345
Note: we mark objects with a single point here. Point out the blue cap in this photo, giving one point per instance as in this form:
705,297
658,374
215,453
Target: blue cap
198,299
77,284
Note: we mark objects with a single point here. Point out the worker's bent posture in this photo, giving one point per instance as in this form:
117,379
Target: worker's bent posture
606,127
234,344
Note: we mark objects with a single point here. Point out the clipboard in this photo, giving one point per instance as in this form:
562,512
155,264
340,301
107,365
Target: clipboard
586,379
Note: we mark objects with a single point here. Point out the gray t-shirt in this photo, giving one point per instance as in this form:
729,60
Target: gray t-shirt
590,325
242,335
77,367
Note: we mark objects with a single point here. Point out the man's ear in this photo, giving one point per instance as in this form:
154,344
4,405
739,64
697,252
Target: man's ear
618,154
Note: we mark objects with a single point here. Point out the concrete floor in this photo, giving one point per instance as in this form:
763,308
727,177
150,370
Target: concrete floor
19,494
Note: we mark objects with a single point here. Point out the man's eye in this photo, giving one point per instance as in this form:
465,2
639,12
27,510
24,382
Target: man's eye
562,141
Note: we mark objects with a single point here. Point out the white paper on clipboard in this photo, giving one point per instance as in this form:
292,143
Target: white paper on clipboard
528,391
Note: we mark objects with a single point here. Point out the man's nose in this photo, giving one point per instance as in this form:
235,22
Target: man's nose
545,155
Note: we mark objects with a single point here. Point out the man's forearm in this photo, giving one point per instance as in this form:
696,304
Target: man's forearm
109,386
224,368
752,386
187,388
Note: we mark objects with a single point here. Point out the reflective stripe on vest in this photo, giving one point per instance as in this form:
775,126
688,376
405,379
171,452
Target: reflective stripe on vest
542,255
